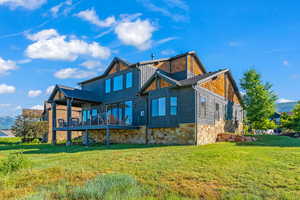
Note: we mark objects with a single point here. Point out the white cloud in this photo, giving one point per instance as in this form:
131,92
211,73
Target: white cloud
167,52
6,66
50,89
91,64
74,73
55,9
50,45
91,16
168,39
24,61
34,93
282,100
27,4
7,89
137,33
285,62
38,107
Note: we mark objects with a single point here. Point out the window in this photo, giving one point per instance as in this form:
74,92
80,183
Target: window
159,107
94,114
118,83
107,86
142,113
217,113
128,112
173,105
203,106
129,80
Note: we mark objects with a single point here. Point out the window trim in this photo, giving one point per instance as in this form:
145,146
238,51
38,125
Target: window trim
158,112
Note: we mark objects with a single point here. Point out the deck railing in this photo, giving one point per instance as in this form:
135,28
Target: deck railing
95,121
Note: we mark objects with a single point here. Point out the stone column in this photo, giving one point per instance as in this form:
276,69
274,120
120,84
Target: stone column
85,138
53,107
69,121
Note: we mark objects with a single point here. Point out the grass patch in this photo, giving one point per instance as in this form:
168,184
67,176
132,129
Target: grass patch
265,169
13,163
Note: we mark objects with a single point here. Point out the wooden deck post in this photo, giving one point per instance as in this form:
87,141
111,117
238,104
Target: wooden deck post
69,121
53,107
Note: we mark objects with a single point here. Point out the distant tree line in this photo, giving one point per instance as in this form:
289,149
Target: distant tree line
291,122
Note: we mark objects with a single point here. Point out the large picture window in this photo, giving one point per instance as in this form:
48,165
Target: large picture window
158,107
129,80
118,83
107,86
173,106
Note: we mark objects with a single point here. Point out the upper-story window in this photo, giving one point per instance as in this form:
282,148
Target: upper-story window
173,105
107,86
129,80
159,107
118,82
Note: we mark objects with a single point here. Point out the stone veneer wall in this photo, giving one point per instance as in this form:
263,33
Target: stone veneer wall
207,133
184,134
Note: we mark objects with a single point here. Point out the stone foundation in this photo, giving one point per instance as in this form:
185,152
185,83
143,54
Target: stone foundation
184,134
207,133
62,135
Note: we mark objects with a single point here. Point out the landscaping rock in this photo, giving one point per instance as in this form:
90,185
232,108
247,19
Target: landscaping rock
225,137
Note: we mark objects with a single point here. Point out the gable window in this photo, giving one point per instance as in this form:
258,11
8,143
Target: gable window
159,107
173,105
107,86
129,80
118,83
203,106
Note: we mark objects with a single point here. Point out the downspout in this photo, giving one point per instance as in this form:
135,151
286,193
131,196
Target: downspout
196,116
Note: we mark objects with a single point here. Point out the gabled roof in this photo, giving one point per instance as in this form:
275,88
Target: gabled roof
116,59
74,93
161,75
105,73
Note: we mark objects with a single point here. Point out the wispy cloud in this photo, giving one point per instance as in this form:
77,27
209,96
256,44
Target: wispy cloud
234,44
285,62
168,39
91,16
34,93
27,4
7,89
168,52
166,11
6,66
283,100
73,73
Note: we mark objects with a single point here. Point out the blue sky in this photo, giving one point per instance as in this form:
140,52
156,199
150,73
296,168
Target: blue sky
43,43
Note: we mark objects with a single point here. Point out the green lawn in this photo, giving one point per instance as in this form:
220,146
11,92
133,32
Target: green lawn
266,169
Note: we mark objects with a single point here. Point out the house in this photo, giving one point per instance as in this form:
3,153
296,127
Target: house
164,101
61,113
32,114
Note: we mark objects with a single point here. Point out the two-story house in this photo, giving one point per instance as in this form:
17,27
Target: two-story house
164,101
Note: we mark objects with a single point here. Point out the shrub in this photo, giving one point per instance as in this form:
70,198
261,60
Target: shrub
14,162
106,187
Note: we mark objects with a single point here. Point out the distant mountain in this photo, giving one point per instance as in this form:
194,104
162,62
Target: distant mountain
285,107
6,122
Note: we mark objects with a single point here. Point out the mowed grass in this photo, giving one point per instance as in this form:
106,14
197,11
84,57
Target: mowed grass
266,169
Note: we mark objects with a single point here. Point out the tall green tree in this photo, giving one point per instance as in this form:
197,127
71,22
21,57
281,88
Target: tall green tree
259,101
295,118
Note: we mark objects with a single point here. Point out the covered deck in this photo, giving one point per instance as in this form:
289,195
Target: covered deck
72,97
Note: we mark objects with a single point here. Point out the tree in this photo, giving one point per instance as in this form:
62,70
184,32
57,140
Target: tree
285,121
295,118
29,130
259,101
